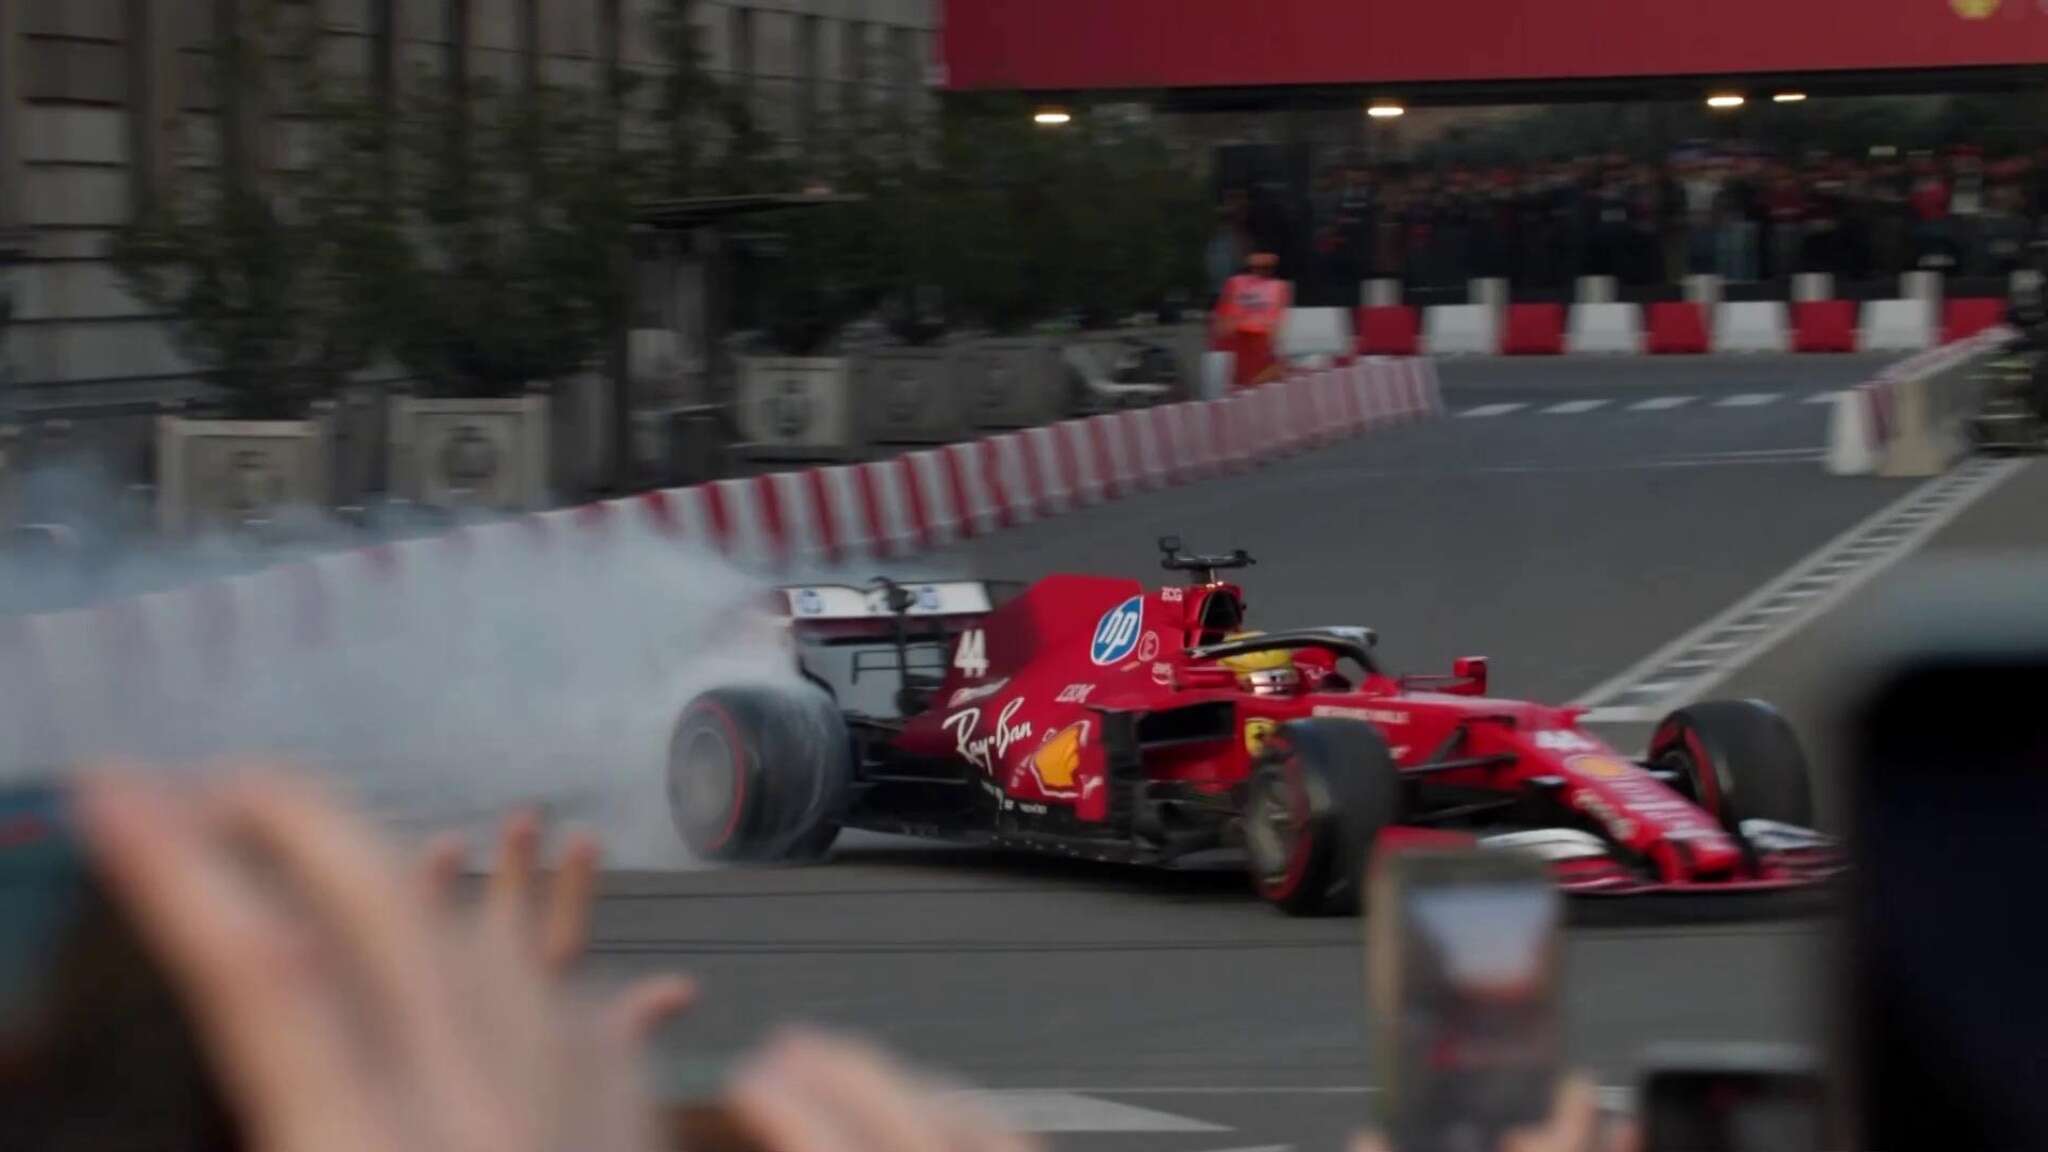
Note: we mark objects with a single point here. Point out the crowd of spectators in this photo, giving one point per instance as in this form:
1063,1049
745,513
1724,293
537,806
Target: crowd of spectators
1743,216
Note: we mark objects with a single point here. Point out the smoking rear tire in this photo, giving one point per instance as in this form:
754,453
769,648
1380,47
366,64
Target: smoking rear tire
1319,795
758,774
1740,759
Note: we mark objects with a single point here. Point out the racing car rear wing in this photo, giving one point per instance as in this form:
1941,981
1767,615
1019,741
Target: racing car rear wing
884,601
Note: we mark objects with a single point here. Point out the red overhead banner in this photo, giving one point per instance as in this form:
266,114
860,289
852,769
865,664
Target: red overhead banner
1084,44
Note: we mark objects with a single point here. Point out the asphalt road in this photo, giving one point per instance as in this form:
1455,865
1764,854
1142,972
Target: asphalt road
1124,1010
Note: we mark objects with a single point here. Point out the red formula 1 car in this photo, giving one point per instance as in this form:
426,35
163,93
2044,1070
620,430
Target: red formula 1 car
1091,716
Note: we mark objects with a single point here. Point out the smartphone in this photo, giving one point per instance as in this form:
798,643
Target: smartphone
96,1050
1944,1010
1464,950
1732,1098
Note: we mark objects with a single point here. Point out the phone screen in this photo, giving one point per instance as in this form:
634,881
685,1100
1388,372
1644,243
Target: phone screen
1947,1008
95,1048
1733,1111
1473,1046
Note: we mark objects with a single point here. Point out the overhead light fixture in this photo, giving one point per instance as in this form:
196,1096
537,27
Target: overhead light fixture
1051,116
1788,97
1385,111
1728,100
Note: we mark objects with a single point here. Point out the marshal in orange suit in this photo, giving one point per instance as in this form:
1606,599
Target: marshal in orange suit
1247,321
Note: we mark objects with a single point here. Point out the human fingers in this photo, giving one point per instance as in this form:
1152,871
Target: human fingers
373,921
509,893
639,1010
1573,1121
781,1112
439,864
875,1101
565,927
270,1024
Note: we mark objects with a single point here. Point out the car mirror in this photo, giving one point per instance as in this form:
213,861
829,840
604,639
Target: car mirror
1169,544
1472,670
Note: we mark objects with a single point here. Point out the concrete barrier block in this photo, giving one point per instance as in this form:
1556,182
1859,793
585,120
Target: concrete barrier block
1595,290
1461,330
1606,328
1752,326
1897,326
1316,332
1381,294
1813,286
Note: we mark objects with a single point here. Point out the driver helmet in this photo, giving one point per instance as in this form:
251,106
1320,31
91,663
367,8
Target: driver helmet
1268,673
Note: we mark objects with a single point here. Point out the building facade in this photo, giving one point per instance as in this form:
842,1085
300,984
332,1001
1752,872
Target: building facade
104,102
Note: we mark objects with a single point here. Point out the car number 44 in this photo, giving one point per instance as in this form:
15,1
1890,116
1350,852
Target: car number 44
971,658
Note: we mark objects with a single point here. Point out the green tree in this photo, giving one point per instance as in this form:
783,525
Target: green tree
270,275
505,276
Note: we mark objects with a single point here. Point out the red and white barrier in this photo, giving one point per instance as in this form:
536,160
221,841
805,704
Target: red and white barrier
1908,419
827,516
1806,325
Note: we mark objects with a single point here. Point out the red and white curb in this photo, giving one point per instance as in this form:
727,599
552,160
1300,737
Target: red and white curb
826,516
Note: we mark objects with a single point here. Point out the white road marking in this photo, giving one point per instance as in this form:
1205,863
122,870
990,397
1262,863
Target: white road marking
1260,1148
1747,399
1661,403
1768,615
1493,410
1821,398
1040,1110
1573,407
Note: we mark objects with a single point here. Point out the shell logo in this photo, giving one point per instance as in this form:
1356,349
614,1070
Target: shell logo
1974,9
1256,732
1058,760
1604,767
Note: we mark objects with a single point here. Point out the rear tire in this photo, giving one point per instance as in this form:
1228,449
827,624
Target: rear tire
1741,759
757,774
1319,794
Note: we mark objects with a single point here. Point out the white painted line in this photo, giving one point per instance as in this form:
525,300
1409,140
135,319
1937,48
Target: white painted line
1747,400
1942,498
1260,1148
1493,410
1573,407
1037,1110
1821,398
1661,403
1620,715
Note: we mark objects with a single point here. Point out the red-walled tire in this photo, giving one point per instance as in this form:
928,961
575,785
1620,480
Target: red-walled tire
758,774
1320,792
1739,759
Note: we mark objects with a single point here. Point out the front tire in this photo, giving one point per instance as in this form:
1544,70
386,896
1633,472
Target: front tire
1319,795
758,774
1740,759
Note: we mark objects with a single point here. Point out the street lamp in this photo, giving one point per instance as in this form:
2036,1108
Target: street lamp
1385,111
1051,116
1725,100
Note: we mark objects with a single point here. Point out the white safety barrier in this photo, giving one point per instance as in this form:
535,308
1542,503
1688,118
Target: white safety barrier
1813,286
1752,326
1854,444
1608,328
1595,290
1216,371
1461,330
1316,332
1912,419
1897,326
